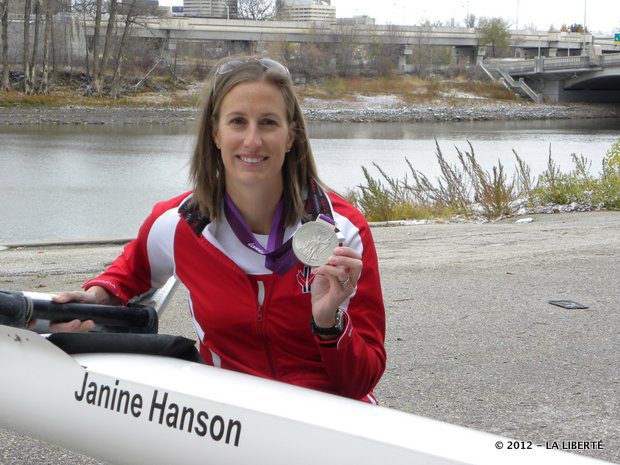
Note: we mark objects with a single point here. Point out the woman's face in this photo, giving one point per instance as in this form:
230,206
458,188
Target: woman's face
253,135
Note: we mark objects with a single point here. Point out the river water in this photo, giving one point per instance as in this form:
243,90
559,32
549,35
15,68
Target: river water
88,182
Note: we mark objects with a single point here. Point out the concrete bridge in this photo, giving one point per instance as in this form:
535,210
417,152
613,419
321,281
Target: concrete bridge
592,77
195,28
559,65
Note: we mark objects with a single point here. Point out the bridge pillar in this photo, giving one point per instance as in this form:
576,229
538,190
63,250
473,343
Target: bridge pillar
554,90
464,55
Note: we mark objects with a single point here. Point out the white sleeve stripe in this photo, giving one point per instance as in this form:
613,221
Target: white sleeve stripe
352,239
199,331
217,361
160,247
351,234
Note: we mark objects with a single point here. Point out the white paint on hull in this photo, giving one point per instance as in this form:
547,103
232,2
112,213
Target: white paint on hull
48,394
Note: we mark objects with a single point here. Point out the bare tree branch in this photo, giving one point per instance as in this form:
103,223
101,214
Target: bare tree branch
256,9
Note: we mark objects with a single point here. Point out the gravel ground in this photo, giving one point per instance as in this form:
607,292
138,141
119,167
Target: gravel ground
471,338
364,110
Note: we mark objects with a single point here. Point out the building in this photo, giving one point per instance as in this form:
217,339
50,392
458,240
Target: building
306,10
138,7
210,8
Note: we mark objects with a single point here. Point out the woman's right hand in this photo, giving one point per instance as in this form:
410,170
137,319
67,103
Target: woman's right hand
94,295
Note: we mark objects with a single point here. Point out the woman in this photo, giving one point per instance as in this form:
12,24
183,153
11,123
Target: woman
256,308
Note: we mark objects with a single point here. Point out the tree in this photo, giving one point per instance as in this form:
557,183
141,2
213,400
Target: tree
96,35
575,27
131,11
107,46
4,12
256,9
46,45
424,55
493,32
343,45
35,43
26,61
384,52
470,20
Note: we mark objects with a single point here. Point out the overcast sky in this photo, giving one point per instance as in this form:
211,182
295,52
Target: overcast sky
600,15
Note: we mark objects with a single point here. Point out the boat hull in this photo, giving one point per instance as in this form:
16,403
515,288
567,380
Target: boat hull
136,409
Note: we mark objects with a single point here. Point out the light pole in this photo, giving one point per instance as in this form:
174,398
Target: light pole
538,60
517,25
585,4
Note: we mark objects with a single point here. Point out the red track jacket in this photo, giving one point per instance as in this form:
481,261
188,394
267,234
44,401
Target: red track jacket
249,319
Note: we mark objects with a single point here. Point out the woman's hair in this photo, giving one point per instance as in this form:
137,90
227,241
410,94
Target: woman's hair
207,169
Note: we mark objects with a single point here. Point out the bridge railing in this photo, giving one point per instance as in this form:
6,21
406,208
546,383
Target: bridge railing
511,65
542,64
612,59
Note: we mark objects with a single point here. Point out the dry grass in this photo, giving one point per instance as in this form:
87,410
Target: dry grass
410,89
490,90
58,98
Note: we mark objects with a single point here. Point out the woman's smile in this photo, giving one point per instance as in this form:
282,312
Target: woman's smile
251,159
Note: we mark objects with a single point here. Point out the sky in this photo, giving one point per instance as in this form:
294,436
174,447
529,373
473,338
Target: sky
600,15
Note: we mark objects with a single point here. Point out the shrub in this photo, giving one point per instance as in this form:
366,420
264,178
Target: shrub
565,188
334,86
610,178
467,189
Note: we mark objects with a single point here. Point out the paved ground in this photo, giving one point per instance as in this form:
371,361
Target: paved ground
471,337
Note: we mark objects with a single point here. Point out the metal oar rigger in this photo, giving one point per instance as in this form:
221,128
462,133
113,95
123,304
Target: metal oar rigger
141,315
22,309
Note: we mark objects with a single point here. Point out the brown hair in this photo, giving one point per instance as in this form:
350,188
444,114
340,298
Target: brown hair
207,169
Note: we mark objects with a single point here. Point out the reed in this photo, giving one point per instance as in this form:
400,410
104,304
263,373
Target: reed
467,189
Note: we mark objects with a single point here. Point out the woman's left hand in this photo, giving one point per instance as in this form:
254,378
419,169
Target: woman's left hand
333,283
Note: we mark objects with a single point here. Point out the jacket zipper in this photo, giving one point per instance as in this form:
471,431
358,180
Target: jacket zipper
261,316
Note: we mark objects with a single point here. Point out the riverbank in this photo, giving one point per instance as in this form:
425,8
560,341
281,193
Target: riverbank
483,350
383,108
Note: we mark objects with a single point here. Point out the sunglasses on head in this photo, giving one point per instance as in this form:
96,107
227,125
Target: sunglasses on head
231,65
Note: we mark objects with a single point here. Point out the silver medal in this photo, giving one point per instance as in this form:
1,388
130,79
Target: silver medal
314,242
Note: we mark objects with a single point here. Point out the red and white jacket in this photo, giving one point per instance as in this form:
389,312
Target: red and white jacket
249,319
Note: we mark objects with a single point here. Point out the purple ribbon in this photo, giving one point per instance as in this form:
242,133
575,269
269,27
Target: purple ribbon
279,256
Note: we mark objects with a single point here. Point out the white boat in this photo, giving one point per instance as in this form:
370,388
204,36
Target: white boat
127,408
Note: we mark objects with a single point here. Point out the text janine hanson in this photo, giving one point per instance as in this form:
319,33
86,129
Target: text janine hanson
160,410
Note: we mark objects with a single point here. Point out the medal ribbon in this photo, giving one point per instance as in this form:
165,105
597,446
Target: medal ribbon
279,256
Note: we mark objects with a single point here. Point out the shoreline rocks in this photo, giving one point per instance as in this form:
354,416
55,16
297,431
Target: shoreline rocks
317,111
